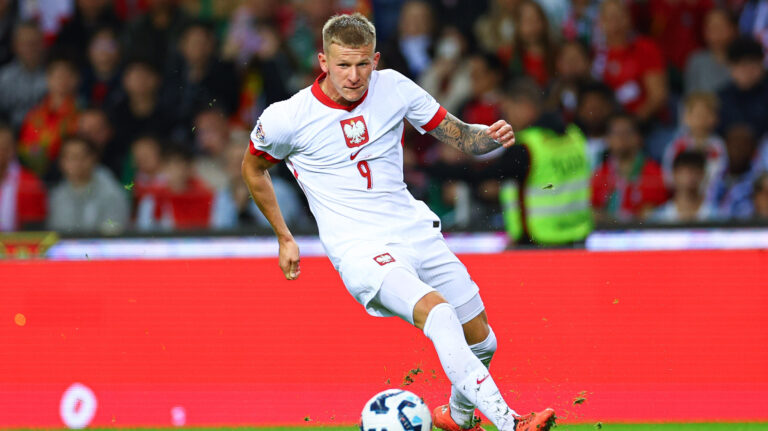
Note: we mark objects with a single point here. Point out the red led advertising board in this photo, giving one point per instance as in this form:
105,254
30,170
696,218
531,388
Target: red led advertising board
636,336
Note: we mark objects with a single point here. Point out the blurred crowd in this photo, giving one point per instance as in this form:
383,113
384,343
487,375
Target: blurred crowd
135,114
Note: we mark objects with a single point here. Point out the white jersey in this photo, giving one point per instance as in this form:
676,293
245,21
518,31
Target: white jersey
348,160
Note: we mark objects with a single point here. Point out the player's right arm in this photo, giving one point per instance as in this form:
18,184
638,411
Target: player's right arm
256,176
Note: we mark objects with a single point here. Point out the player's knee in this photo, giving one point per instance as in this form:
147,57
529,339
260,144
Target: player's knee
424,306
485,349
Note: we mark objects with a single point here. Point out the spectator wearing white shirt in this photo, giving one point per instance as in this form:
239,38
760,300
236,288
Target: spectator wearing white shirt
688,204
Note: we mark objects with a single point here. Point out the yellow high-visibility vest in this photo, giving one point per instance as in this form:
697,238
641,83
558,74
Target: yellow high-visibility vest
557,191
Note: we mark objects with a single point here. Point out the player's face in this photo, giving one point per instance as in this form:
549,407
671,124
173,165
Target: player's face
349,71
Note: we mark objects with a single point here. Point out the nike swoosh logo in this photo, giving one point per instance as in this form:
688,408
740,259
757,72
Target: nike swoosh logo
353,155
483,379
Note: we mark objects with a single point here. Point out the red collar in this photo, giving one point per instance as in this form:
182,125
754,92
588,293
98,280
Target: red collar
327,101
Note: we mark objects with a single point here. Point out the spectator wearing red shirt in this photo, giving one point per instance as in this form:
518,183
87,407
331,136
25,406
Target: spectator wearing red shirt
628,185
534,49
676,26
631,65
184,203
22,195
55,117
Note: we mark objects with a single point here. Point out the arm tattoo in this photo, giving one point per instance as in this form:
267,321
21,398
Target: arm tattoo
469,138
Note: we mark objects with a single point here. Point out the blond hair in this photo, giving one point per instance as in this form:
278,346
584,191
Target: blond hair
709,100
353,31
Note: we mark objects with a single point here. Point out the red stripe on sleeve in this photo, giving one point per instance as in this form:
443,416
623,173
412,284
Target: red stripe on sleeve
259,153
436,119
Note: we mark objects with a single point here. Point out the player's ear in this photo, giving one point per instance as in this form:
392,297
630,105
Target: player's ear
323,62
376,58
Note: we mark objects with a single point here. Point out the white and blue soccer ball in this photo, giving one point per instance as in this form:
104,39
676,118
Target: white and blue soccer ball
395,410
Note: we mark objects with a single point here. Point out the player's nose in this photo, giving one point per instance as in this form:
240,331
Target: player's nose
354,75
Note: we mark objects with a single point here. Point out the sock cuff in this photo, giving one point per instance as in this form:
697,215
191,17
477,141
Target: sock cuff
439,312
487,345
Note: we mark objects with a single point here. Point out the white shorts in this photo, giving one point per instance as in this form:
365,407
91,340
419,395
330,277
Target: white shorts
364,268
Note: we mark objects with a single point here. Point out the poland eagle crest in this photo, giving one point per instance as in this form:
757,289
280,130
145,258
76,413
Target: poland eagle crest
355,131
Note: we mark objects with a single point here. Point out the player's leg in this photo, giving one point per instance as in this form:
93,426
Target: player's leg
438,319
482,342
441,269
466,372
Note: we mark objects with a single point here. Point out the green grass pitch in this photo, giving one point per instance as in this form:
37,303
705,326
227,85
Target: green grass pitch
751,426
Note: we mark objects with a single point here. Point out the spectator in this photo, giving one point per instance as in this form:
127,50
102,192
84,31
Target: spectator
305,38
744,98
411,51
580,22
486,75
698,133
545,194
676,27
22,81
48,14
448,79
595,107
265,79
760,198
734,190
251,27
7,17
149,178
94,125
201,80
184,203
688,203
89,199
55,117
707,69
495,31
211,140
139,112
100,84
572,69
754,21
232,205
631,65
534,50
628,185
89,17
155,34
22,194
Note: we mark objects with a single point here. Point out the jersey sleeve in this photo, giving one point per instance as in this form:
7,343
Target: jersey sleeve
272,136
422,110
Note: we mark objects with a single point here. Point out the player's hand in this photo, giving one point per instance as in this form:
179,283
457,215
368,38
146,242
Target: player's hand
289,259
502,132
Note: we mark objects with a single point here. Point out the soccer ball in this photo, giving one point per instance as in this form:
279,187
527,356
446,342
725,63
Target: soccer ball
395,410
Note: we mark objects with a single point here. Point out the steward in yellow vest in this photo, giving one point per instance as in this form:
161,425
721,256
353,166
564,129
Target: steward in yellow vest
550,203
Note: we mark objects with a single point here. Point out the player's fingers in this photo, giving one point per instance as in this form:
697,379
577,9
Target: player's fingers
508,136
493,128
503,131
294,270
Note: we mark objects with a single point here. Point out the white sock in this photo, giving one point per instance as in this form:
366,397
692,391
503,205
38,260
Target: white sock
465,371
462,410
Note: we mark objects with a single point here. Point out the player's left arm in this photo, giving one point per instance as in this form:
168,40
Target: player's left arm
474,139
